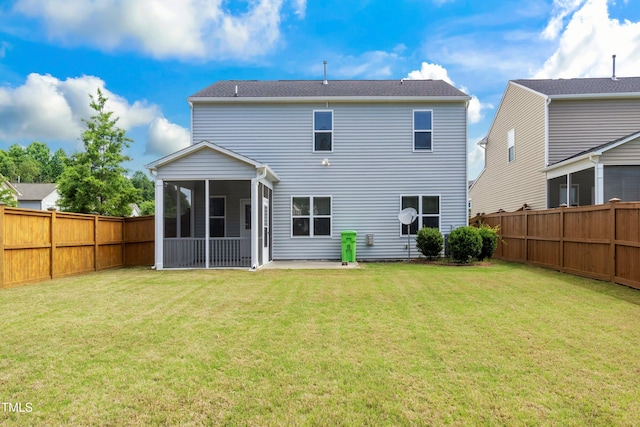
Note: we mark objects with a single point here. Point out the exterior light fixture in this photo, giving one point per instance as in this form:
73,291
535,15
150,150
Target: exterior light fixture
325,162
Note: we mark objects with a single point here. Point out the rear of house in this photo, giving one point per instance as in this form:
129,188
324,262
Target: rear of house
278,169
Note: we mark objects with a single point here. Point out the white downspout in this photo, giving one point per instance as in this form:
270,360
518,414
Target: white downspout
254,217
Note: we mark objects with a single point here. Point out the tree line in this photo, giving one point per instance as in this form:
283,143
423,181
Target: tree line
89,181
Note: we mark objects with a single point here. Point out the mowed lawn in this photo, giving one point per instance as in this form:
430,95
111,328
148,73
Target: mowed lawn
387,344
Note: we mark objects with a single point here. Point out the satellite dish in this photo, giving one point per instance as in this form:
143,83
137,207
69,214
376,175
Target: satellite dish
407,216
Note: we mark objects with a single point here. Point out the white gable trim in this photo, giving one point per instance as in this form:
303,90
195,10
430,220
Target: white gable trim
207,145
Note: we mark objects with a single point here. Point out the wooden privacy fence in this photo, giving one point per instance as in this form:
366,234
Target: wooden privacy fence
38,245
601,241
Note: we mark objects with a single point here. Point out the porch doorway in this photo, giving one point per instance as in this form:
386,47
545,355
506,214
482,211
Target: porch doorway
245,228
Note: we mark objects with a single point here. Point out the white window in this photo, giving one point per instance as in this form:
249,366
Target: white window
310,216
217,216
511,145
428,208
323,131
422,130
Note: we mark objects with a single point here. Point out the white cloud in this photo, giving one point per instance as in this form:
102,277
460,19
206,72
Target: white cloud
587,42
377,64
161,28
48,109
475,160
165,137
430,72
561,9
438,72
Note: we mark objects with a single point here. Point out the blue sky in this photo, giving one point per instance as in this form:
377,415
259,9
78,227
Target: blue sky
148,56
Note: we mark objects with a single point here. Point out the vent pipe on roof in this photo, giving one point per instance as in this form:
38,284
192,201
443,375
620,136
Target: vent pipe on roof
325,82
236,93
613,77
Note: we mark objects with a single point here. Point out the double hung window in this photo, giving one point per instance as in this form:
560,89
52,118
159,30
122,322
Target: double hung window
428,209
311,216
323,130
422,130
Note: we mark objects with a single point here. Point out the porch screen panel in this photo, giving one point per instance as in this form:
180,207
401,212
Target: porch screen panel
622,182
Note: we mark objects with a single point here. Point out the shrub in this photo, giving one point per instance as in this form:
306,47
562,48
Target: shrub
429,242
490,238
465,243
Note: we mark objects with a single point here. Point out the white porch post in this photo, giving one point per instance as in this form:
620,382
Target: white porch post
159,224
254,223
207,232
598,170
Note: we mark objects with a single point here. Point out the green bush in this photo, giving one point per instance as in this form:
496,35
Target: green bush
490,238
429,242
465,243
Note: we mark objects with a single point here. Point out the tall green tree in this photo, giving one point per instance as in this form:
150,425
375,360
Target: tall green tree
95,180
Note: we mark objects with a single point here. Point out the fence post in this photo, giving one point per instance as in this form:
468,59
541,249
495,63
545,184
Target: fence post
2,266
95,242
52,241
562,208
124,242
612,237
526,234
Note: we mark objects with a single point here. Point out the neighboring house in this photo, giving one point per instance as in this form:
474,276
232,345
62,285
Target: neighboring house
277,169
135,209
37,196
11,192
554,142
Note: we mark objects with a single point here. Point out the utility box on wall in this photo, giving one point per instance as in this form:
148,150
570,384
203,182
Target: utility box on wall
369,239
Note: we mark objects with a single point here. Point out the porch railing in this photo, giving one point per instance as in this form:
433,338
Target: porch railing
223,252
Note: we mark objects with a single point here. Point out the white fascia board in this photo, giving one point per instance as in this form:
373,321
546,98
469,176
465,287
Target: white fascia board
315,99
576,165
197,147
596,96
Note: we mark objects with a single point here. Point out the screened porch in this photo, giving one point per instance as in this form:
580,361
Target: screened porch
208,223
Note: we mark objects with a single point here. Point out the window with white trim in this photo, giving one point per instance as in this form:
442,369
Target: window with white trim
217,216
322,130
422,130
511,145
428,209
310,216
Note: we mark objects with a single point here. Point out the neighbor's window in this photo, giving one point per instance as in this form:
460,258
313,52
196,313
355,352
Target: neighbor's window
311,216
428,209
422,130
511,145
217,217
323,130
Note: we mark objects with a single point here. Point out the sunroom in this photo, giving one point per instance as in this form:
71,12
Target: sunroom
213,209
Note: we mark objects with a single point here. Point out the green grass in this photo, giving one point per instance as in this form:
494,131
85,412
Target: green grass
388,344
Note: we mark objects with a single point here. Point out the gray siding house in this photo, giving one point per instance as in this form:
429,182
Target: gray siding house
553,142
277,169
40,196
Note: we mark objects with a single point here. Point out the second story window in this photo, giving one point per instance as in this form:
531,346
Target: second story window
422,130
323,130
511,145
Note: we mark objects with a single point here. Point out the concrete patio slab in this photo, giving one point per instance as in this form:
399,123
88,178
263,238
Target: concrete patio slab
309,265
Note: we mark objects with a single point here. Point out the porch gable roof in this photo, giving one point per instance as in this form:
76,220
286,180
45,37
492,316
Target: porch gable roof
578,161
204,145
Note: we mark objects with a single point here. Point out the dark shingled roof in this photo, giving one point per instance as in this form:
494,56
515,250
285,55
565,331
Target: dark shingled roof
334,88
589,86
34,191
597,148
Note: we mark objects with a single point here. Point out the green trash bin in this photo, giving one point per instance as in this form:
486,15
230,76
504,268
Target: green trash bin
348,240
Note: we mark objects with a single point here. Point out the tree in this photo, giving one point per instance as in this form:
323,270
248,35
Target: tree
145,185
95,180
